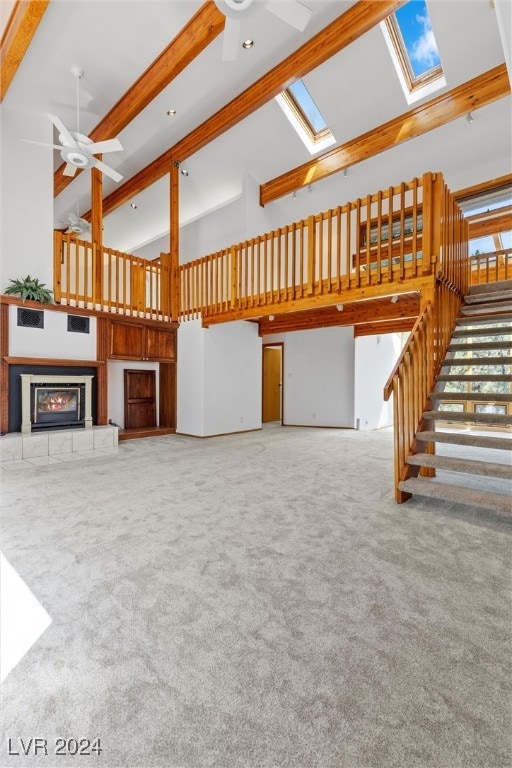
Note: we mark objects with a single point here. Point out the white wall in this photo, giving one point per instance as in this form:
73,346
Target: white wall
375,357
26,220
318,380
54,340
219,378
232,375
116,370
190,403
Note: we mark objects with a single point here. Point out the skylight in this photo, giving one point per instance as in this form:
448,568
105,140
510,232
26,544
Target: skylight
302,112
412,44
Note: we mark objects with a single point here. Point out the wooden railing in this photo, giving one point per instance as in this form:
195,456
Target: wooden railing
383,238
413,377
491,267
109,280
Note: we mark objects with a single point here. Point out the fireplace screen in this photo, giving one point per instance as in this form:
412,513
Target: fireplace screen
57,405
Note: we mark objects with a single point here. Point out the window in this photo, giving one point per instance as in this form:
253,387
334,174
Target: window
302,112
410,38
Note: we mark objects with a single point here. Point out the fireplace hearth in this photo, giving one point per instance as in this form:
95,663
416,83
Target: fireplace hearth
55,402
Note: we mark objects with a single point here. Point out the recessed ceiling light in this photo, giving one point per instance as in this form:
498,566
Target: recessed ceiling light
184,172
133,205
171,112
247,44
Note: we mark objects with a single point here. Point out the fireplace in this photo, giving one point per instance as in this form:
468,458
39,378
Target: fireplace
55,402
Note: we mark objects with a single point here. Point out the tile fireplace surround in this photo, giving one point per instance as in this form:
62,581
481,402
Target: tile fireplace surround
42,448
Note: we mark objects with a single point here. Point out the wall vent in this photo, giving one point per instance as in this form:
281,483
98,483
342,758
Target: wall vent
78,324
30,318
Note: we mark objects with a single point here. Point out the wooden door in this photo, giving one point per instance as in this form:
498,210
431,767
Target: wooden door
139,399
272,363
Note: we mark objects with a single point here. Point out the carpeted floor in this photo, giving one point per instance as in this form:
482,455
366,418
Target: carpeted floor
257,600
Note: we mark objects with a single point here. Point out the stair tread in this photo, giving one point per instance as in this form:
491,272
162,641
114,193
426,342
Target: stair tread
495,306
493,331
475,298
434,489
479,397
477,361
494,285
473,377
491,317
464,438
475,345
470,418
468,466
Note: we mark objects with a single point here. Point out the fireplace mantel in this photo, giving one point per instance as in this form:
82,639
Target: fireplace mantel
28,378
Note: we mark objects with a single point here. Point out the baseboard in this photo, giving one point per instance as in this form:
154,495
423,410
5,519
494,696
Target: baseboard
220,434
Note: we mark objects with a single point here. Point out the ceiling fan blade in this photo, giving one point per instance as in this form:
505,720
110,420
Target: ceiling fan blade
107,170
230,39
110,145
69,170
291,11
42,143
70,141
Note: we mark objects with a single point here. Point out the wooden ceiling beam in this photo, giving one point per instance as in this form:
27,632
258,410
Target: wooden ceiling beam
389,326
468,97
360,18
356,313
481,225
195,36
21,28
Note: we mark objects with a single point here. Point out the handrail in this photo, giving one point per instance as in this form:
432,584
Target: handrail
388,386
375,240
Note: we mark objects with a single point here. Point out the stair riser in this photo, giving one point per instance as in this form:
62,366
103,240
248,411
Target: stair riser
496,502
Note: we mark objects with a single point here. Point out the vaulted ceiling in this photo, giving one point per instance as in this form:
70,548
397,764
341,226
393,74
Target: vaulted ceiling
357,90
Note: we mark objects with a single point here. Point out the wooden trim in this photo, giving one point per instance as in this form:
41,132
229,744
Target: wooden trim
167,395
195,36
174,245
23,22
53,361
220,434
4,369
86,312
102,327
273,345
485,186
351,25
470,96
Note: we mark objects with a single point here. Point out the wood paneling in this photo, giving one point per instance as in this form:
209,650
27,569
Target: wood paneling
21,28
167,410
198,33
361,17
4,369
102,374
470,96
490,224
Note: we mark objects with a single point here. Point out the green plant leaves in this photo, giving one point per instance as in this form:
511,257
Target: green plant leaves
30,288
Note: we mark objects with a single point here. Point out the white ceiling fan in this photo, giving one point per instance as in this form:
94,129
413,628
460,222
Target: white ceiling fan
78,150
291,11
76,225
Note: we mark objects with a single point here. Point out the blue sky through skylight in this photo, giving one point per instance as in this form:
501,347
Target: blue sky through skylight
308,106
416,29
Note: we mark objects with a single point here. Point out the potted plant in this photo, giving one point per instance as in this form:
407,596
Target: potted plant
30,288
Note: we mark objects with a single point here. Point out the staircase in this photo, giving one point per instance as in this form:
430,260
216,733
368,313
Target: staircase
471,466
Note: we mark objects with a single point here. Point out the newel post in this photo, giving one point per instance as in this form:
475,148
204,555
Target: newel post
97,234
57,264
174,266
432,221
